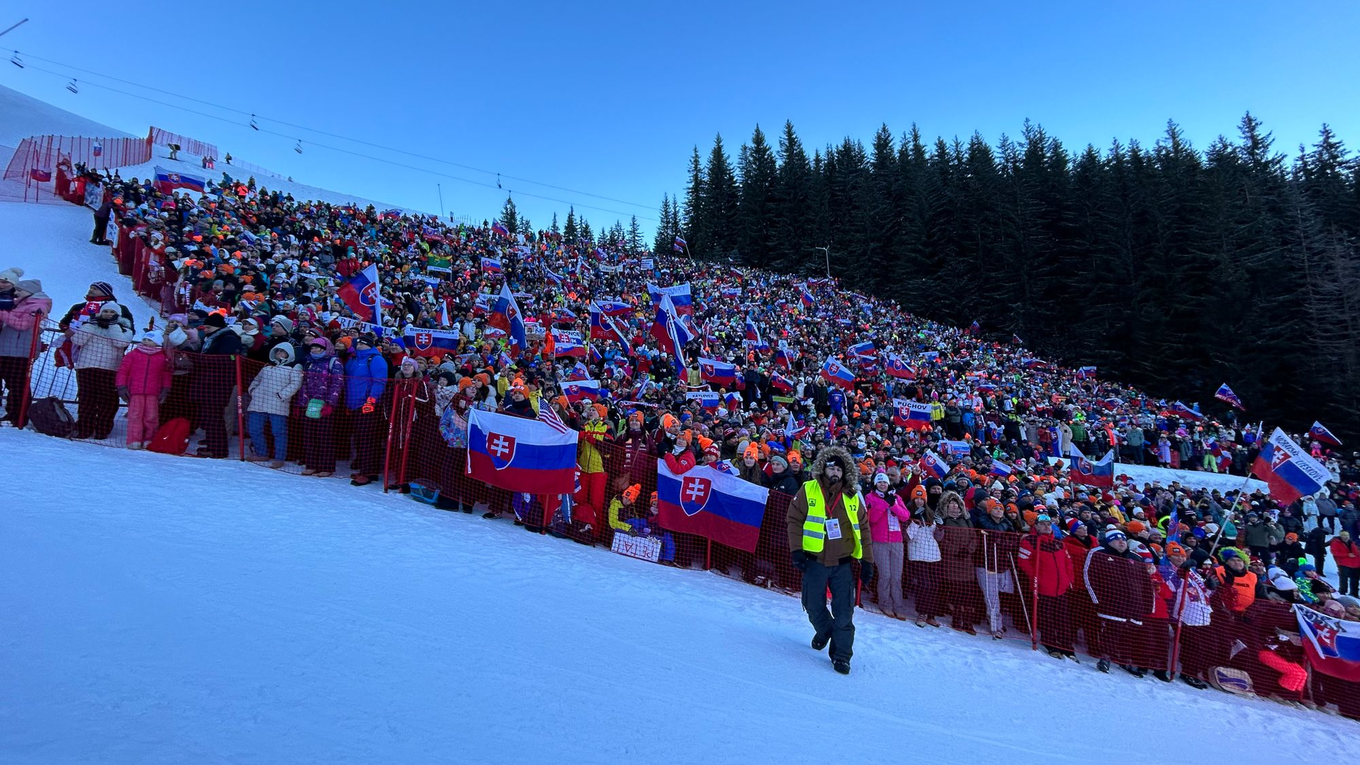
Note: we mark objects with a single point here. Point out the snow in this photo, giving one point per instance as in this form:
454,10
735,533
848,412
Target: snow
173,610
162,617
22,116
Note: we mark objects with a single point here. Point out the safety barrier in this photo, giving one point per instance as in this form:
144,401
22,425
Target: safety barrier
158,137
43,153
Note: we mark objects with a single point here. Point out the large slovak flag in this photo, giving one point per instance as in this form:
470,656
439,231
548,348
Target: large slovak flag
753,335
360,294
932,463
712,504
782,383
1289,470
520,454
835,373
1331,645
671,333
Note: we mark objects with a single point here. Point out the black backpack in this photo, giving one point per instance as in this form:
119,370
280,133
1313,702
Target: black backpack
50,417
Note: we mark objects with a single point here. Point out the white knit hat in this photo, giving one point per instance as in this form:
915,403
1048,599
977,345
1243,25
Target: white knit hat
11,274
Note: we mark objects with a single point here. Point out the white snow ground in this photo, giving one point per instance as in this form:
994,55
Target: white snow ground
174,610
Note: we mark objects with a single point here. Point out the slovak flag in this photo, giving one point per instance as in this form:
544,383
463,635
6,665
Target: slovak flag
899,369
680,244
783,357
1288,469
805,297
670,332
491,265
603,327
499,228
681,299
578,372
444,319
566,344
863,350
169,180
782,383
1185,411
360,294
1090,473
430,342
753,335
711,503
1224,393
709,400
1085,372
582,390
520,454
932,464
505,315
1322,434
835,373
717,372
1332,645
1000,469
911,414
612,307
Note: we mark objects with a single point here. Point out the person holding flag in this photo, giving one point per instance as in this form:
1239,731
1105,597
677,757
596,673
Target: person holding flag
825,540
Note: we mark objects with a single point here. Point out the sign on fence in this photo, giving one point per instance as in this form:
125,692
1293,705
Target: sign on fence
642,548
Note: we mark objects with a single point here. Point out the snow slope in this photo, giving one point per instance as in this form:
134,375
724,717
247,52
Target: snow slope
22,116
51,243
160,617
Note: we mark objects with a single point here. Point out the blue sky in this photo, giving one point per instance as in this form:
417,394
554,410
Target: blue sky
609,98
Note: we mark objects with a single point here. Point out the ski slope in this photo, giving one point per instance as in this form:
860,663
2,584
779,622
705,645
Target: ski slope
22,116
170,610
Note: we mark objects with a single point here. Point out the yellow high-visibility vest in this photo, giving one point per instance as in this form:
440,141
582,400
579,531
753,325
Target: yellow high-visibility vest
814,526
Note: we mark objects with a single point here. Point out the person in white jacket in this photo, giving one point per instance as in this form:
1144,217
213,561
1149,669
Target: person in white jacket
271,398
99,347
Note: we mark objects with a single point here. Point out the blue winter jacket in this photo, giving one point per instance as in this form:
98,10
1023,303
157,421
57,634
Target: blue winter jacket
365,377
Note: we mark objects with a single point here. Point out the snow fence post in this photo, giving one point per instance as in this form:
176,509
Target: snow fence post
406,435
22,421
240,414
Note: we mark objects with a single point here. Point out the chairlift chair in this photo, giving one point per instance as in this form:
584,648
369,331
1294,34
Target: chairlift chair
16,60
71,86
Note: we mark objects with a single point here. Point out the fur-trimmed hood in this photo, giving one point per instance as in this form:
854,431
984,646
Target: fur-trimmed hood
850,483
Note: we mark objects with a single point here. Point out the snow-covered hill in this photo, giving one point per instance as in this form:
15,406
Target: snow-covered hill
22,116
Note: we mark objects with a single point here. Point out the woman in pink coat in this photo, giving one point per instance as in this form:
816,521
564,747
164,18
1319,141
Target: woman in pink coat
143,382
887,514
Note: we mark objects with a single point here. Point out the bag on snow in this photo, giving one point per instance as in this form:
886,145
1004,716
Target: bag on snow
51,417
171,438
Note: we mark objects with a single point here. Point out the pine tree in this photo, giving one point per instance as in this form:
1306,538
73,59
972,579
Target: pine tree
509,215
554,228
665,235
586,235
695,224
792,208
570,233
718,204
634,236
756,201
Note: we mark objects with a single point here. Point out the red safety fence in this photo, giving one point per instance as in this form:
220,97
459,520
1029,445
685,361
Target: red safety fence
401,433
158,137
43,153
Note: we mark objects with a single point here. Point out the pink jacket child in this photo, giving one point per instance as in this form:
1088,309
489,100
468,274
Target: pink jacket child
143,381
886,521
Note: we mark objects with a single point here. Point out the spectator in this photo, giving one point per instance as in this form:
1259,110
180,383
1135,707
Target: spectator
958,549
1123,596
923,564
143,381
271,398
23,304
1046,562
323,379
98,347
365,382
214,374
1347,555
887,514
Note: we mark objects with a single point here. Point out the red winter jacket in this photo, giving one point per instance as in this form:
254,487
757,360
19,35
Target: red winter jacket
1346,553
1045,558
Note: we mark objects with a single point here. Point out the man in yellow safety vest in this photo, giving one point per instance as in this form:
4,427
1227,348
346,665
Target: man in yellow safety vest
824,537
